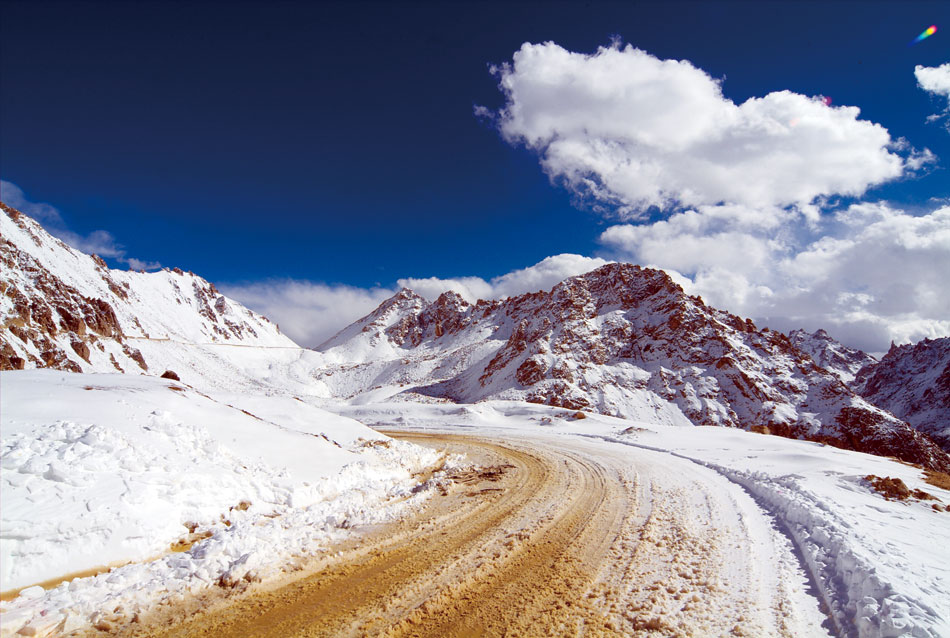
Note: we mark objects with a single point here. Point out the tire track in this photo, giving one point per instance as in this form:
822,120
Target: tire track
563,542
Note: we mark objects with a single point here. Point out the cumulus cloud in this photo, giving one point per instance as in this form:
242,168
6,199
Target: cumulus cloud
541,276
98,242
307,312
470,288
936,80
869,273
626,129
740,203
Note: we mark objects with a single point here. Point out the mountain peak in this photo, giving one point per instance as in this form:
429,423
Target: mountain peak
64,309
835,357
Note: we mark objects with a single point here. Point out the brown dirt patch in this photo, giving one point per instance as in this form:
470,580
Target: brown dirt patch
896,489
937,479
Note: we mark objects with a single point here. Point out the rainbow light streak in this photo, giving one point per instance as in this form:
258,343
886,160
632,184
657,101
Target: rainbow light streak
929,31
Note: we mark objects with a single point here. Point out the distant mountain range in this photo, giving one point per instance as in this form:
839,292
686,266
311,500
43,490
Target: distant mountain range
619,340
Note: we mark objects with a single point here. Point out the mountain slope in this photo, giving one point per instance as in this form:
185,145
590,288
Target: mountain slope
63,309
837,358
620,340
913,382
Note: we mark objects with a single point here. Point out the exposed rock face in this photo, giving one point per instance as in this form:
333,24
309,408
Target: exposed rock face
619,340
60,308
834,357
913,382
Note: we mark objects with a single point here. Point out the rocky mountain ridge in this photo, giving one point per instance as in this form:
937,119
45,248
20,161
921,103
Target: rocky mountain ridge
833,356
912,382
63,309
619,340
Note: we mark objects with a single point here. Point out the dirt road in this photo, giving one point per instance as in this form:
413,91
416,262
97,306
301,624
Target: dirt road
547,540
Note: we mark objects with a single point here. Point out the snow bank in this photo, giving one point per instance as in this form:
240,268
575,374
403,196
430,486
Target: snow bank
141,464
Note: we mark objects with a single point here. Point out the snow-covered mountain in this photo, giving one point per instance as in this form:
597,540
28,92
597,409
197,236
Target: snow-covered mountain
620,340
63,309
831,355
913,382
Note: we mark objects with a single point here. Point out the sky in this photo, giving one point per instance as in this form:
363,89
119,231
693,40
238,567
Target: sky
788,161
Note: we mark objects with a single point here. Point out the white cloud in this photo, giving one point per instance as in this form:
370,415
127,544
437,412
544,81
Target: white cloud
936,80
541,276
470,288
12,195
869,273
98,242
748,190
139,264
632,131
307,312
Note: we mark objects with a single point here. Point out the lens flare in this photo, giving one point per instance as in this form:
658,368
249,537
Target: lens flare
929,31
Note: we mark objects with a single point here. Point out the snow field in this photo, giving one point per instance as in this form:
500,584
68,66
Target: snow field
145,463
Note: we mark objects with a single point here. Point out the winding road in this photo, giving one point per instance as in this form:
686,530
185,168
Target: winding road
549,538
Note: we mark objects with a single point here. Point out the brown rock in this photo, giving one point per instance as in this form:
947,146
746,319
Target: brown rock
9,359
135,355
81,349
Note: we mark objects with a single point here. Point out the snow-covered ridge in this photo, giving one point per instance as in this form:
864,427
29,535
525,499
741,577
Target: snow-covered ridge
63,309
620,340
913,382
831,355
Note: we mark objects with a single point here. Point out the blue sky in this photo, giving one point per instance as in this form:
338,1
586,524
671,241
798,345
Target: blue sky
337,144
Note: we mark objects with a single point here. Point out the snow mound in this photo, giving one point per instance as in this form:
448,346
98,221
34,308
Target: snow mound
143,466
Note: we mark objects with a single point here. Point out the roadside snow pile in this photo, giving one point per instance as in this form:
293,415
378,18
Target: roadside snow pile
881,566
142,465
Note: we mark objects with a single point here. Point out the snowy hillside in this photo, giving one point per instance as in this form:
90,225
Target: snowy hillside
102,470
63,309
913,382
620,340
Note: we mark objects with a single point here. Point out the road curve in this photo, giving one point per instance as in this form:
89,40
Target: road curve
551,539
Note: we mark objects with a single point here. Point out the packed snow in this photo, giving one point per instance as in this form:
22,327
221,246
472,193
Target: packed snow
113,470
